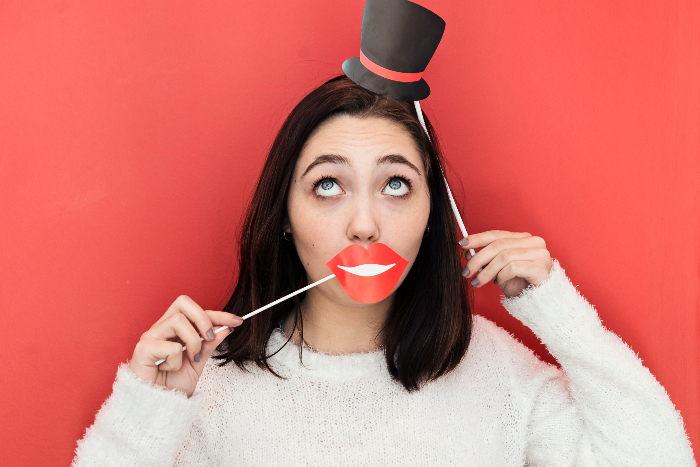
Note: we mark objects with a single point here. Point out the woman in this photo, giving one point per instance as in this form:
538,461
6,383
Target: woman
414,379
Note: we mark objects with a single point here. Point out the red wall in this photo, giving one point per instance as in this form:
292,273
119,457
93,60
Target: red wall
131,134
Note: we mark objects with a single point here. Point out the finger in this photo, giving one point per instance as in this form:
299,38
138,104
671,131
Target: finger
219,319
532,271
180,326
195,313
531,256
224,318
188,307
489,252
208,348
482,239
172,309
148,351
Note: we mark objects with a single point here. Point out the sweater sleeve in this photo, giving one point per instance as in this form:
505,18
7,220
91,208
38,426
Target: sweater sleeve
603,407
140,424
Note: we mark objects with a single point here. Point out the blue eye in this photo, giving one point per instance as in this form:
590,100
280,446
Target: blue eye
327,187
397,187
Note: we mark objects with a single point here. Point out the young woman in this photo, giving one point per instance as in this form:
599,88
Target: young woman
413,379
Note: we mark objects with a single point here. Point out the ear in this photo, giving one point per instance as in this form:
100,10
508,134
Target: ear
286,225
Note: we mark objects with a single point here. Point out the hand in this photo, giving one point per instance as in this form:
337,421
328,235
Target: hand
178,372
512,260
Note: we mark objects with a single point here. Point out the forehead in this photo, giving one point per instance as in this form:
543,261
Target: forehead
360,139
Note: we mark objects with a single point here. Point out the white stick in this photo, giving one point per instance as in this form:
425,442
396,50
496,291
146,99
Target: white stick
449,193
265,308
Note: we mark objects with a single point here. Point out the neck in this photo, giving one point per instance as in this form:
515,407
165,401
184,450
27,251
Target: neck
335,328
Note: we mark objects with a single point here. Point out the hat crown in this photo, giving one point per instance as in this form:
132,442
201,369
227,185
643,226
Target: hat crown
400,35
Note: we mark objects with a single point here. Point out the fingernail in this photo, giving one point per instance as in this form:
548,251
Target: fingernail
237,317
465,271
210,334
196,358
464,241
475,282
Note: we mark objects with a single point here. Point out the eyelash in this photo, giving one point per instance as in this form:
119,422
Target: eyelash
397,177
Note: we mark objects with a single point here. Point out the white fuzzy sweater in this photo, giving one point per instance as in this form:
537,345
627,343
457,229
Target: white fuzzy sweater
501,406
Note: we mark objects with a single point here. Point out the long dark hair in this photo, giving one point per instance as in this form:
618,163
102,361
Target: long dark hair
428,327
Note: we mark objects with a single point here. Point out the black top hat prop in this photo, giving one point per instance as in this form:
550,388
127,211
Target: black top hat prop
398,40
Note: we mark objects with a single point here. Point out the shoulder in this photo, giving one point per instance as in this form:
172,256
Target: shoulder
494,347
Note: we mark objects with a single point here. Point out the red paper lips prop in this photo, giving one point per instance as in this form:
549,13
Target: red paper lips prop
370,275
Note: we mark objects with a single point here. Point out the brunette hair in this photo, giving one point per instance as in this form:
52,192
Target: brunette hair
429,325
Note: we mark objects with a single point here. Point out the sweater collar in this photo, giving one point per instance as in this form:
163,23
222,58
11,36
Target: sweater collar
323,365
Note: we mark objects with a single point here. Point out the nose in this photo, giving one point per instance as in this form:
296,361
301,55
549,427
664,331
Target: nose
362,226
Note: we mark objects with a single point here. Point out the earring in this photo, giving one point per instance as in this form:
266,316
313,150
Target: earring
427,231
284,234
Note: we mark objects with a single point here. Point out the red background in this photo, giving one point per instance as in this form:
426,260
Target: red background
131,134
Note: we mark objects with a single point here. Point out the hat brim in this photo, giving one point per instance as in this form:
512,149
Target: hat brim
357,72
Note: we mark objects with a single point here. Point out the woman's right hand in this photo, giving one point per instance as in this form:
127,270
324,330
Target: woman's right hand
185,322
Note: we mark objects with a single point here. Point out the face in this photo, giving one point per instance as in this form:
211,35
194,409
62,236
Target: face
356,181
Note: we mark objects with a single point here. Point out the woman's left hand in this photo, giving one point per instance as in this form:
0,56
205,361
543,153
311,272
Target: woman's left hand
512,260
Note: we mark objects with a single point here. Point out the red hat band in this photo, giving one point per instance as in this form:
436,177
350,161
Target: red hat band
389,74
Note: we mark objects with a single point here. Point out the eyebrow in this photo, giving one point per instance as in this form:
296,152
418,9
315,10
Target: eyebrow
326,158
397,159
337,159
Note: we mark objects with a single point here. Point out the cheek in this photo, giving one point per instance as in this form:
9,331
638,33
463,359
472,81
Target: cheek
313,237
413,237
408,231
